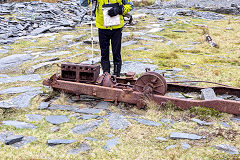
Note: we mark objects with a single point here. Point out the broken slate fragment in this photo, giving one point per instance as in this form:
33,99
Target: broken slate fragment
24,141
53,142
208,94
3,51
111,143
22,78
109,135
14,90
185,145
19,124
161,138
34,117
147,122
117,121
57,119
103,105
202,123
88,110
55,129
63,107
43,105
86,127
86,117
171,146
178,135
225,124
13,139
90,139
82,148
227,148
124,44
165,120
235,119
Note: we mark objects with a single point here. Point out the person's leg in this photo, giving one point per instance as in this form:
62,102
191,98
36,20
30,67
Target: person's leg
116,41
104,40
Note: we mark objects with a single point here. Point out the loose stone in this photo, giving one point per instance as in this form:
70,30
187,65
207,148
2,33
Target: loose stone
14,90
111,143
86,127
178,135
185,145
82,148
53,142
57,119
147,122
103,105
13,139
43,105
19,124
202,123
208,94
34,117
171,146
117,121
161,138
227,148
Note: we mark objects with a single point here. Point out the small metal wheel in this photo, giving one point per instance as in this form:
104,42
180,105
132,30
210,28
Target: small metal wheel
151,83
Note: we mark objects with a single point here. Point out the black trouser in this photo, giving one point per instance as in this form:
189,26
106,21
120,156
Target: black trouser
115,35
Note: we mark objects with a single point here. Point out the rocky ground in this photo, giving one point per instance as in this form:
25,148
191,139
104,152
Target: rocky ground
166,38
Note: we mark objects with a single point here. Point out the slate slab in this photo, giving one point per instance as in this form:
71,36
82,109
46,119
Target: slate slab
227,148
82,148
117,121
185,145
63,107
40,30
19,124
111,143
90,139
24,141
171,146
56,53
21,101
57,119
86,117
137,67
22,78
86,127
14,90
161,138
54,142
88,110
34,117
179,135
43,105
225,124
103,105
128,43
147,122
202,123
13,139
235,119
208,94
3,51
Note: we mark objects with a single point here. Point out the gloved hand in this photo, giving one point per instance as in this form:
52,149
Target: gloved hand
115,10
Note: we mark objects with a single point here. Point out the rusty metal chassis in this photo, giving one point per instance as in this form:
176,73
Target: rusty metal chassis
129,96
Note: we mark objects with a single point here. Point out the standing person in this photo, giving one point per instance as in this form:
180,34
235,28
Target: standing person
111,32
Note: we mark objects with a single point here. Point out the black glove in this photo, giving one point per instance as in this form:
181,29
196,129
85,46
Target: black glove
115,10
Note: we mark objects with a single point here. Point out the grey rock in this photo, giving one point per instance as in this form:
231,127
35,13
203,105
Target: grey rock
235,119
225,124
55,129
109,135
34,117
94,49
164,120
21,101
202,123
154,30
14,90
7,41
24,141
117,121
208,94
171,146
67,37
179,135
19,124
56,119
52,38
43,105
89,40
147,122
32,69
140,49
4,75
82,148
86,127
90,139
4,135
89,110
124,44
13,60
78,38
53,142
86,117
161,138
13,139
227,148
3,51
137,67
23,78
40,30
111,143
185,145
63,107
103,105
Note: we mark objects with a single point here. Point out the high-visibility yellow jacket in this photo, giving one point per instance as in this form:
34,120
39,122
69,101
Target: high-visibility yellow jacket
127,6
